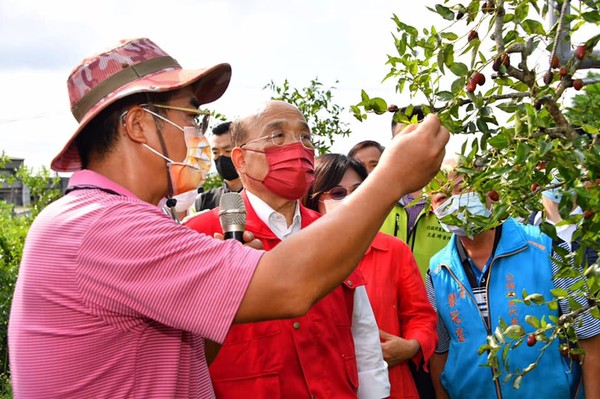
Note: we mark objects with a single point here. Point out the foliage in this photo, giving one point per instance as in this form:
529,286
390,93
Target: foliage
585,108
212,181
315,103
521,137
13,230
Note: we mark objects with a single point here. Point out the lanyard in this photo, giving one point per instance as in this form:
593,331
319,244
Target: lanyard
464,259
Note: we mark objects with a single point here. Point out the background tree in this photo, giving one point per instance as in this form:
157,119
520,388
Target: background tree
13,229
316,104
482,75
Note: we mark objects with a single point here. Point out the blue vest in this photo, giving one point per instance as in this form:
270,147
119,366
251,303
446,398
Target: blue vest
522,261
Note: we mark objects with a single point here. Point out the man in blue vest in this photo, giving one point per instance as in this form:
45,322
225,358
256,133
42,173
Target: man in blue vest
474,283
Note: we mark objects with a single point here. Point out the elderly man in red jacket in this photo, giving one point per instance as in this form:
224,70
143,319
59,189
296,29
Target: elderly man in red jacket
309,356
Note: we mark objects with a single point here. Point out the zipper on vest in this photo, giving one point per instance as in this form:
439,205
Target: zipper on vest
487,300
486,324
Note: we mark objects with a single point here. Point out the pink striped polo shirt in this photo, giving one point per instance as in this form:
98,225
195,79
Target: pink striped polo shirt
114,299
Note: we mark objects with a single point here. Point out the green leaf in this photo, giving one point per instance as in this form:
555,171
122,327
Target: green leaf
499,141
441,61
520,87
517,382
378,105
445,12
545,147
482,349
449,36
510,37
458,85
499,336
515,331
445,96
482,126
509,108
559,292
533,27
364,96
538,299
591,16
532,321
521,12
459,69
449,55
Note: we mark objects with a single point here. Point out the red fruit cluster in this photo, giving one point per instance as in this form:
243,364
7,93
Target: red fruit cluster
577,84
503,59
472,35
476,79
494,196
531,340
489,7
580,52
563,71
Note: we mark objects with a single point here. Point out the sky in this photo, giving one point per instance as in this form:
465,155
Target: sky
344,41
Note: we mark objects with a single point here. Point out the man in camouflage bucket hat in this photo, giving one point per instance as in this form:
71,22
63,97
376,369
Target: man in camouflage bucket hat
113,298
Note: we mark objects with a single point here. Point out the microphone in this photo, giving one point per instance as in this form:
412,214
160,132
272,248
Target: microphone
232,214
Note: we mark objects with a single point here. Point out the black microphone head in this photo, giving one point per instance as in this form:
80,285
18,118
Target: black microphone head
232,212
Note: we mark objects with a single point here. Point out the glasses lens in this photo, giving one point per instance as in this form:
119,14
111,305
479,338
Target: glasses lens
338,193
278,138
306,140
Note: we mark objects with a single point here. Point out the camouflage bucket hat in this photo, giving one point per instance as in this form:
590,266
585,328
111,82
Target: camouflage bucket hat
134,66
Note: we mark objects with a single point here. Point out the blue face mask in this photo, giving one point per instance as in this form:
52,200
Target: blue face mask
461,206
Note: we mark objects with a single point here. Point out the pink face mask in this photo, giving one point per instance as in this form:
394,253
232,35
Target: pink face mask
291,170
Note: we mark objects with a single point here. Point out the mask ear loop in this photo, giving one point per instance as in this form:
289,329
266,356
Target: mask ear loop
166,154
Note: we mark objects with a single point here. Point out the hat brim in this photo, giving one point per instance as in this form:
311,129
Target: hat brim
209,84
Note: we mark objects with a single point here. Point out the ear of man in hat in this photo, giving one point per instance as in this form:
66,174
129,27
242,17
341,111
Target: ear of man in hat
105,93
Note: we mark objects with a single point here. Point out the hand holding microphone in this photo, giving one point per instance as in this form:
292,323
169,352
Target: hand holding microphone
232,214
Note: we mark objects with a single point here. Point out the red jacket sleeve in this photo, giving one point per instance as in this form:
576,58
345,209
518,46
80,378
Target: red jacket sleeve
206,222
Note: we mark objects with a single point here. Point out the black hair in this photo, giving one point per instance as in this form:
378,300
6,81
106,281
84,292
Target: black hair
364,144
329,171
221,129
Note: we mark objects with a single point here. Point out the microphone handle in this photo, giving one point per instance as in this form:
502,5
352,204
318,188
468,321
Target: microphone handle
236,235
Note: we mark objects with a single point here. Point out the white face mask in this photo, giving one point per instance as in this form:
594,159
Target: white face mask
184,200
461,205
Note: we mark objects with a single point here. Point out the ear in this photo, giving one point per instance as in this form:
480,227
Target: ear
238,159
136,125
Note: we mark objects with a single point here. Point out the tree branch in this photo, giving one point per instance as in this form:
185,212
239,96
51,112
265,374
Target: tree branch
499,24
559,29
464,101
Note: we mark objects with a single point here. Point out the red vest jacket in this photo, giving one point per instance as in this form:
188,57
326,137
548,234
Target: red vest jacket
303,357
